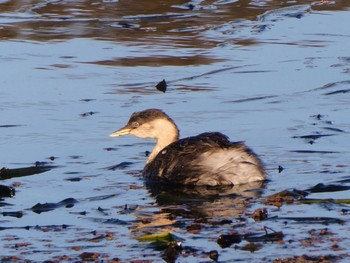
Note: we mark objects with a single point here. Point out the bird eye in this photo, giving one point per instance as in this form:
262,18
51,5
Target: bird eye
135,124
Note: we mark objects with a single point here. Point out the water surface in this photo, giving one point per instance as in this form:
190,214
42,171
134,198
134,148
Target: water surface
274,74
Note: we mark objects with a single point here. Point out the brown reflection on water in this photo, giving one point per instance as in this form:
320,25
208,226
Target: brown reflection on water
144,22
156,61
180,203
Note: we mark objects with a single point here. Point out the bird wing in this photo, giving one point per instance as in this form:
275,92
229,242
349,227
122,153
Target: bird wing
180,162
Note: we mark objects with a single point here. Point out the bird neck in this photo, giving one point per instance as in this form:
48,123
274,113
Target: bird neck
167,135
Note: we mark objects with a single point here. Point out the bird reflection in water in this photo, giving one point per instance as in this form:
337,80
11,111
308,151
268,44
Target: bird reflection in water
213,204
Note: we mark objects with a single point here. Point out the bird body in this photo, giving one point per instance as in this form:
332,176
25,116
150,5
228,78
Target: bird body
206,159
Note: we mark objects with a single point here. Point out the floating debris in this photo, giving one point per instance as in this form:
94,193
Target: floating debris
161,86
285,196
194,228
9,125
260,214
334,129
37,227
90,256
104,211
214,255
6,191
75,157
167,242
312,220
252,99
296,11
251,247
191,6
108,149
274,236
119,166
87,100
6,173
106,236
17,214
159,238
98,198
322,188
227,240
171,252
40,208
318,116
324,201
337,92
5,204
115,221
280,169
307,258
86,114
74,179
310,151
52,158
313,136
124,24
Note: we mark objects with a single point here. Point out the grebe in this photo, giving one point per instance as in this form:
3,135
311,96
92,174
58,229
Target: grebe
206,159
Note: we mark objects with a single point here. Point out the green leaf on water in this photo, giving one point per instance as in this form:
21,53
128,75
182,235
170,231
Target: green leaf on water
162,241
